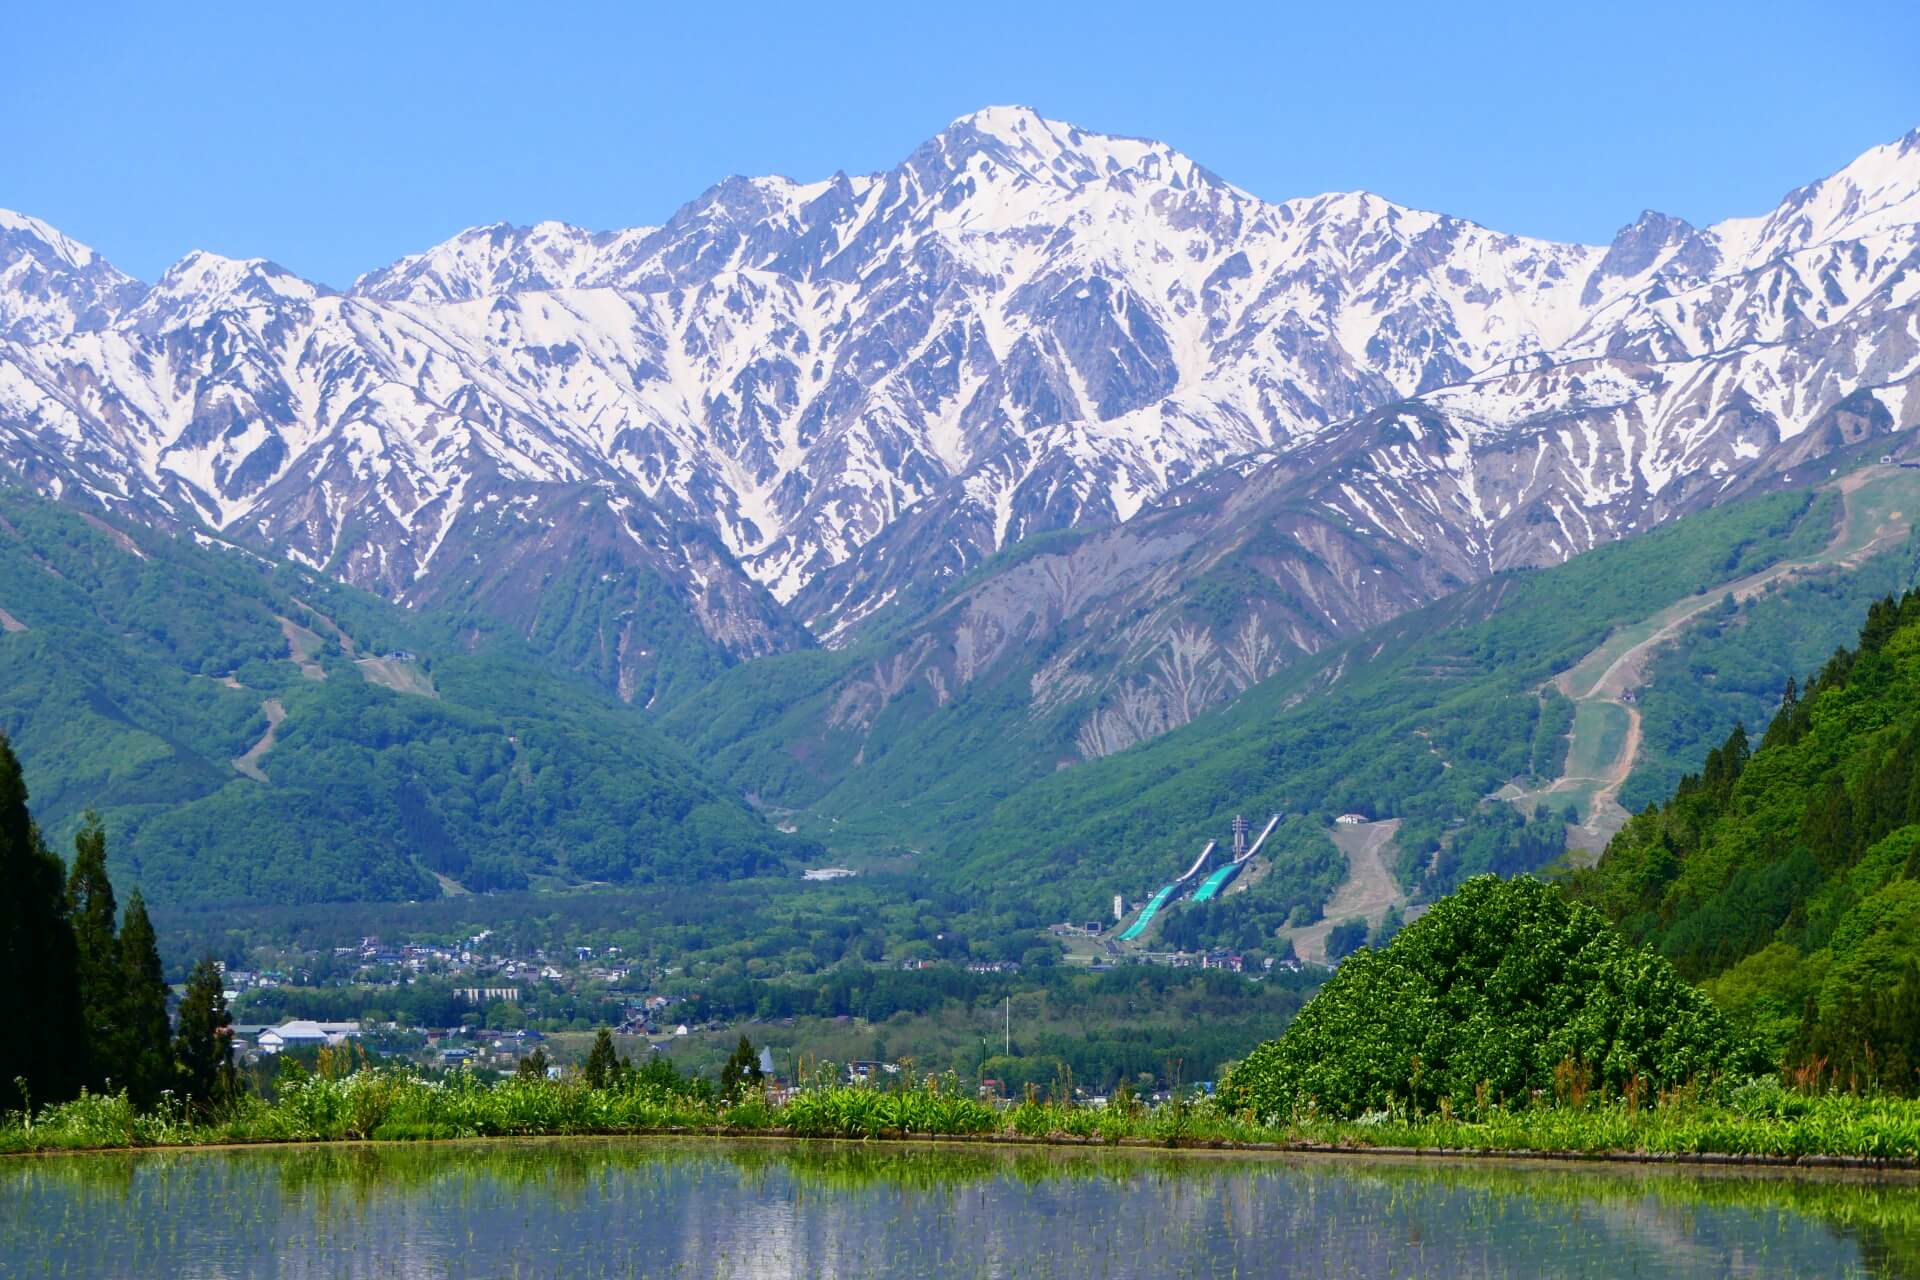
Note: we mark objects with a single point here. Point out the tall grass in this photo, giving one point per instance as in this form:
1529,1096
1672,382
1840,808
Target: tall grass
387,1103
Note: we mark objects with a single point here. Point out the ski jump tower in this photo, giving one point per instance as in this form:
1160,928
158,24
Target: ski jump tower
1212,884
1242,853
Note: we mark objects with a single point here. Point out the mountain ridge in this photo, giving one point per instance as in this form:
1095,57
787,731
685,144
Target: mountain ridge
1025,326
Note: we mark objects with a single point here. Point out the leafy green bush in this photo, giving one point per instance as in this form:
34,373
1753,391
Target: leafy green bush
1504,989
855,1111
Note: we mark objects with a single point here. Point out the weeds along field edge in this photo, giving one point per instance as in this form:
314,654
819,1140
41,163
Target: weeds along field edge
1757,1122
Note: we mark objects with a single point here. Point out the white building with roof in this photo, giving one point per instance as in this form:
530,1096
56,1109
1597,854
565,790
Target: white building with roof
302,1034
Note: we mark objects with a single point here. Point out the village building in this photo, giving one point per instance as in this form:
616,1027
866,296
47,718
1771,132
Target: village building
302,1034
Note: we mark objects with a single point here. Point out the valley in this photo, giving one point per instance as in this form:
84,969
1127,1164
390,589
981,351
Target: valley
996,580
642,640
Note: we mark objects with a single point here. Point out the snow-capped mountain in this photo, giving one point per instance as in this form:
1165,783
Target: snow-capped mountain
51,286
813,400
483,261
203,286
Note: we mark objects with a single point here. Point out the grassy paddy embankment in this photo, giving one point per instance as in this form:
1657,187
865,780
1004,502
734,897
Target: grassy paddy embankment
1760,1122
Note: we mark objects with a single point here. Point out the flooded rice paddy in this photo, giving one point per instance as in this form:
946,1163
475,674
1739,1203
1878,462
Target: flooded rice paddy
662,1208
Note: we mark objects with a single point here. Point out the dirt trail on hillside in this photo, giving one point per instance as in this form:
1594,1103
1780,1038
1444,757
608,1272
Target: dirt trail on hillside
117,536
1369,889
1605,814
1622,677
249,763
302,644
332,628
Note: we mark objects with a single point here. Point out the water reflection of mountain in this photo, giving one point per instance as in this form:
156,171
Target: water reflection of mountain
611,1207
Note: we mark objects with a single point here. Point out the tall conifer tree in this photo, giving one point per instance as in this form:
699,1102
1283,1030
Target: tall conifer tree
741,1071
602,1066
41,1044
146,1057
94,916
203,1045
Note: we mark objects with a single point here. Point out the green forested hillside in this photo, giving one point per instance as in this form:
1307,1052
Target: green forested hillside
1730,668
251,731
1786,873
1421,720
920,767
378,750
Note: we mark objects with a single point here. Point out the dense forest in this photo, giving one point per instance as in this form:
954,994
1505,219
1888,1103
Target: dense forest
1730,667
1785,873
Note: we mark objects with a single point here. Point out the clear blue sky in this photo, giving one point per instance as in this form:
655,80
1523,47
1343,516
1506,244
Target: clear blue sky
333,137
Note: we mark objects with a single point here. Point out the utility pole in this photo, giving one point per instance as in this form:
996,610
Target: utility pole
1006,1034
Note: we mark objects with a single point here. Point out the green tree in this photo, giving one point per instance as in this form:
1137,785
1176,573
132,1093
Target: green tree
203,1045
534,1065
1780,728
145,1065
1829,825
41,1032
742,1070
658,1075
1485,998
1345,938
94,917
603,1067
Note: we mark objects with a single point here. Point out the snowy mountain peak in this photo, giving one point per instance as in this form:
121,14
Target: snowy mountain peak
1010,123
202,272
1884,179
204,284
1654,244
21,233
1044,148
498,258
1878,191
52,284
1053,151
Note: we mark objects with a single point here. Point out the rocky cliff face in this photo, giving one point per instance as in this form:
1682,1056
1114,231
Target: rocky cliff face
824,403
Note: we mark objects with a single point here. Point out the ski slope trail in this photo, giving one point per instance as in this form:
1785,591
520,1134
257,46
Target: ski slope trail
249,764
1877,506
1368,891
